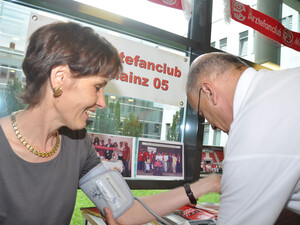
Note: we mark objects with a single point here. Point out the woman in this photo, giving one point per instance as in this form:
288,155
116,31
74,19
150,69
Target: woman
96,141
178,164
174,162
147,165
66,68
44,148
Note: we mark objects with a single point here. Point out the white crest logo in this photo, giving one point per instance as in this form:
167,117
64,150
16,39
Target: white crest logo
238,10
288,37
170,2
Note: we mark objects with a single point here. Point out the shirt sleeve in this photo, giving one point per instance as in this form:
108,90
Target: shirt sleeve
256,188
91,157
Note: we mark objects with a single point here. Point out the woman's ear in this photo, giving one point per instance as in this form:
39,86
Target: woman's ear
58,75
209,90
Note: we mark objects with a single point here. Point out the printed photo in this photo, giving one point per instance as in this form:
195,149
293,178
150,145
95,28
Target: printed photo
211,160
159,159
115,151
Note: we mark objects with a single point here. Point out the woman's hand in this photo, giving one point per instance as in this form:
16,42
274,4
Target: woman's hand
109,217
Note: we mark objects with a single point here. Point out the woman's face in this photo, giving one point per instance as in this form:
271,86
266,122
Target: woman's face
80,97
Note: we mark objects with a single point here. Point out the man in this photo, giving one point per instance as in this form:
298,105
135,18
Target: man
126,158
151,156
140,158
120,151
145,155
260,111
108,151
165,158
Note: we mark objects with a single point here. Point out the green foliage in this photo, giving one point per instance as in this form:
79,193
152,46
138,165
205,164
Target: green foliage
118,115
82,201
173,134
9,98
2,104
210,198
132,126
108,121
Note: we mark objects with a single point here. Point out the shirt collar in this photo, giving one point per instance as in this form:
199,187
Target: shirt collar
242,89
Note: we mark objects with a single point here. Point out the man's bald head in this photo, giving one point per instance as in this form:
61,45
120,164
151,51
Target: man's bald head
212,65
215,75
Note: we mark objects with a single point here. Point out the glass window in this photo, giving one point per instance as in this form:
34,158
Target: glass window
4,70
243,43
13,26
206,134
146,120
12,73
260,49
123,115
223,44
165,18
13,23
217,137
288,22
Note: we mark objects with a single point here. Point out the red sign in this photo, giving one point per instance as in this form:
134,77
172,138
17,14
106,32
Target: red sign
264,24
170,3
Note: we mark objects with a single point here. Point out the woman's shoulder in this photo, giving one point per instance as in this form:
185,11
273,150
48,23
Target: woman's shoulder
4,121
6,126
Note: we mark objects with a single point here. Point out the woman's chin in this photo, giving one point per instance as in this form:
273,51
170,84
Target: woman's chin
77,126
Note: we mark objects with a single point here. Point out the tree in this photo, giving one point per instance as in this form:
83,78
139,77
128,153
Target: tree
132,126
118,115
2,104
173,133
11,101
107,120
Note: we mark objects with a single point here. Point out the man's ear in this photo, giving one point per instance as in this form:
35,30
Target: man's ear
210,91
58,75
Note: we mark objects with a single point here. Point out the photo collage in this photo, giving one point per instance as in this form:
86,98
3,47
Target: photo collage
140,157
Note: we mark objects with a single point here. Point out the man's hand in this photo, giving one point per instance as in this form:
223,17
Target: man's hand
109,217
216,182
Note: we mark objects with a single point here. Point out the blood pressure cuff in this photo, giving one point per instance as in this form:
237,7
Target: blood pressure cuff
107,188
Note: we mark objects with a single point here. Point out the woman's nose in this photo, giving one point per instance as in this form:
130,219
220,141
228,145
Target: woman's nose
101,103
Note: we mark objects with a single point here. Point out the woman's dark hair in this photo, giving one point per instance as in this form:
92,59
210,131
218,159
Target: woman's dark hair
96,141
81,48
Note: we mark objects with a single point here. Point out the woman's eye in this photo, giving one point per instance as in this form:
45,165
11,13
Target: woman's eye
98,88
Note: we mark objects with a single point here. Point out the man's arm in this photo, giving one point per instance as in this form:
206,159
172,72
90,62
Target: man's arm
166,202
255,189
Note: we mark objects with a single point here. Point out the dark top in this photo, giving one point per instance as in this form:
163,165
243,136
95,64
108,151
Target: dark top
43,193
